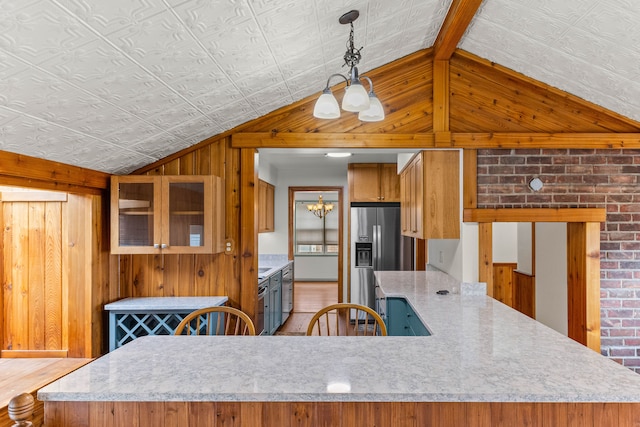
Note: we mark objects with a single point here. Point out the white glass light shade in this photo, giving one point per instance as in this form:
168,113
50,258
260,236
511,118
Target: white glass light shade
326,106
375,113
355,98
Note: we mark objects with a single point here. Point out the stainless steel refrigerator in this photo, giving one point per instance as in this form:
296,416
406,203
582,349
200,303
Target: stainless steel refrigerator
376,245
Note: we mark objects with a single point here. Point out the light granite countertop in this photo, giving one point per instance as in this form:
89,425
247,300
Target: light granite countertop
480,350
164,303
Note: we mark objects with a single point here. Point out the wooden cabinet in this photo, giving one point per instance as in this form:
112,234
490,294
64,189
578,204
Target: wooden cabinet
373,182
430,188
266,193
167,214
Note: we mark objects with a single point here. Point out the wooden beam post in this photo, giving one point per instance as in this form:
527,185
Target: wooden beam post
485,268
455,24
248,232
583,283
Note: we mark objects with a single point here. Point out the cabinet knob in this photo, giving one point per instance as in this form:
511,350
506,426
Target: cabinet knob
164,246
156,246
381,197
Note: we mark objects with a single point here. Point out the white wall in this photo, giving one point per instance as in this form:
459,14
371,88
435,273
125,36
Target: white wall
525,247
551,275
505,242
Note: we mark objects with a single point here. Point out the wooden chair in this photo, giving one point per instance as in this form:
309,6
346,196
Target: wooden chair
336,319
218,320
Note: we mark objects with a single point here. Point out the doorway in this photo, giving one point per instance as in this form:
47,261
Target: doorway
316,243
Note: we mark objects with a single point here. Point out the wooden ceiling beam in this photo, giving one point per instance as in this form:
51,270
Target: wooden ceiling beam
15,168
332,140
544,140
455,24
540,215
436,140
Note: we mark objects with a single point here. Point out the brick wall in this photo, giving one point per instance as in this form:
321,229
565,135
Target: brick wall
585,179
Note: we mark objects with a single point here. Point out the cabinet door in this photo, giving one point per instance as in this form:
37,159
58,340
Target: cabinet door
187,214
441,195
266,194
135,214
364,182
389,182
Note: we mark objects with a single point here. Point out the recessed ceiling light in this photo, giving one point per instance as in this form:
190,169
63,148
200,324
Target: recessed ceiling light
338,154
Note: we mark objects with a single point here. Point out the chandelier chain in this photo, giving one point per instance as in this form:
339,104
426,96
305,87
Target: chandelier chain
352,56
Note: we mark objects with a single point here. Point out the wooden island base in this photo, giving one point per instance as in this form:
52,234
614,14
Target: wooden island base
341,414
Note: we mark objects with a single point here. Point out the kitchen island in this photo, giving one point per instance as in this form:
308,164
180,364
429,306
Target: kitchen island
484,364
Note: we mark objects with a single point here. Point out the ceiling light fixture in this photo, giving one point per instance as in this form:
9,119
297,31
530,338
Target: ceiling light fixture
340,154
320,209
356,98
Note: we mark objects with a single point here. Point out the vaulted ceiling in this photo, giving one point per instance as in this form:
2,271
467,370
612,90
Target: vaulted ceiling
116,85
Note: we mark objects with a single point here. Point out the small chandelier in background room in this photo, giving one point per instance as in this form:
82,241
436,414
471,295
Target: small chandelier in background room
320,209
356,98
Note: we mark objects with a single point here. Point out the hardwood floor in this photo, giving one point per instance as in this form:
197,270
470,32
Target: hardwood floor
308,297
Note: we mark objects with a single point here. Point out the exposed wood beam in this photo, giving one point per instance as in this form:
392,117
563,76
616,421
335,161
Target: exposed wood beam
332,140
455,24
545,140
536,215
26,168
437,140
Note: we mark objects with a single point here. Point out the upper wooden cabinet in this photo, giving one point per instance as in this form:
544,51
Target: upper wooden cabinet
374,182
266,193
167,214
430,206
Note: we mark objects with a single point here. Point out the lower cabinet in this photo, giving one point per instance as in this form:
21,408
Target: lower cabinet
402,320
275,303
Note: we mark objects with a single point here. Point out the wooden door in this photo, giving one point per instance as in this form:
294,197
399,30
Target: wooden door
34,297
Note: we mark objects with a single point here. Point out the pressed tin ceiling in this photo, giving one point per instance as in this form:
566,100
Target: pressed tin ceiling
115,85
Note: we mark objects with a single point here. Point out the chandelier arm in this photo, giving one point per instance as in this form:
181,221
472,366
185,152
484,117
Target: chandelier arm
370,83
335,75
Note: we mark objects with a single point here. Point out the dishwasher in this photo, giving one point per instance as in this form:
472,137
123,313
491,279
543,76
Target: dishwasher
263,291
287,291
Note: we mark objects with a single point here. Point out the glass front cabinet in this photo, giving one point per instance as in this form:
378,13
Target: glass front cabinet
167,214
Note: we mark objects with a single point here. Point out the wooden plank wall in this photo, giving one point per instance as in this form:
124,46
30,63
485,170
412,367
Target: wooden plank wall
191,275
338,414
524,295
503,282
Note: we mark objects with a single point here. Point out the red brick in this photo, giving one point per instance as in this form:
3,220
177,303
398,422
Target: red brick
593,160
581,152
622,352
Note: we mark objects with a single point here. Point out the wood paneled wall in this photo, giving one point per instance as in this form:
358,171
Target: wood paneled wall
524,296
486,97
341,414
192,275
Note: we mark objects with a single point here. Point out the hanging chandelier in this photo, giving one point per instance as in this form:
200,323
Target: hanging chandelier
320,209
356,98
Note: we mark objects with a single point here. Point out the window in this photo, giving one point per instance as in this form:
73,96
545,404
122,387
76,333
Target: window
313,235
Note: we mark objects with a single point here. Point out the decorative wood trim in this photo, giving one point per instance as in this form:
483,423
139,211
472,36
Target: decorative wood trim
331,140
455,24
535,215
545,140
28,168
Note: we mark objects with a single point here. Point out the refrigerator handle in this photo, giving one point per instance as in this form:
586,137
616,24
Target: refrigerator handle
378,245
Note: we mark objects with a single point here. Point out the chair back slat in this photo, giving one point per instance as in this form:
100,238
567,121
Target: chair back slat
218,320
337,319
